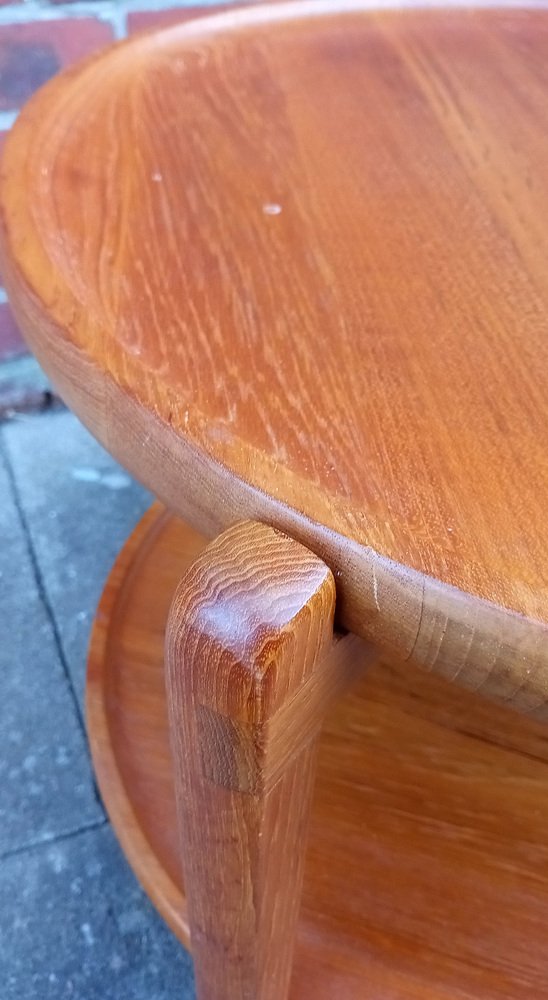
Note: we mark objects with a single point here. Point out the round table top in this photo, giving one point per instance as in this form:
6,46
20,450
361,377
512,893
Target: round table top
290,263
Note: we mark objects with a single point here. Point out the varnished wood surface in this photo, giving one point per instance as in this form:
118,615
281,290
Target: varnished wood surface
427,872
289,264
249,631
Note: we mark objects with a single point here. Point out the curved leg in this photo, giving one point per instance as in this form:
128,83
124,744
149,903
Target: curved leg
251,664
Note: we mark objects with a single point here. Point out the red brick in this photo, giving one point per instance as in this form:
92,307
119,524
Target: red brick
141,19
31,53
11,341
2,141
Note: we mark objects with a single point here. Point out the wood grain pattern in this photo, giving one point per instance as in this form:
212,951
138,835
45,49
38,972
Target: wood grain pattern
288,264
427,872
249,629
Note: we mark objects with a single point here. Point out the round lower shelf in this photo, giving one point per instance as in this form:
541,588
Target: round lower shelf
427,867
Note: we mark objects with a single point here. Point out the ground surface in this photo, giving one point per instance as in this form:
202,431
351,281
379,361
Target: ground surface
73,920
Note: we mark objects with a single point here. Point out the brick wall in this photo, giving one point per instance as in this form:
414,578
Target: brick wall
40,37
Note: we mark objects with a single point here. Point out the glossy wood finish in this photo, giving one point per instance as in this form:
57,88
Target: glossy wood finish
289,264
427,872
249,629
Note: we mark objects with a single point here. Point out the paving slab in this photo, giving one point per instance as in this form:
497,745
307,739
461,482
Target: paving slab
46,786
74,925
24,387
80,506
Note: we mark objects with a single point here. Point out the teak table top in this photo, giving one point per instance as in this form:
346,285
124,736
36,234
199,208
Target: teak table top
291,263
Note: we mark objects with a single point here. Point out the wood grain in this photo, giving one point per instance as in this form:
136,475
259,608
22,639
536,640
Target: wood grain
249,627
427,872
288,264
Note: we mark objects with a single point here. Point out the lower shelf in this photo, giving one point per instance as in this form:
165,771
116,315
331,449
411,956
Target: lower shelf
427,870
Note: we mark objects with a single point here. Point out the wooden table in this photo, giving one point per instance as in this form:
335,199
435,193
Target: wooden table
289,264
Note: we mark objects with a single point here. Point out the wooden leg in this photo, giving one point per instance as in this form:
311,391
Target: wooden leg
249,671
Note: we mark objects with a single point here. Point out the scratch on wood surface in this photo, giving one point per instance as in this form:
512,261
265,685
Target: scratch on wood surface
376,591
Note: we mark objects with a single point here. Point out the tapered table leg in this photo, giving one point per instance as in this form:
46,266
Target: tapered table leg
249,671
